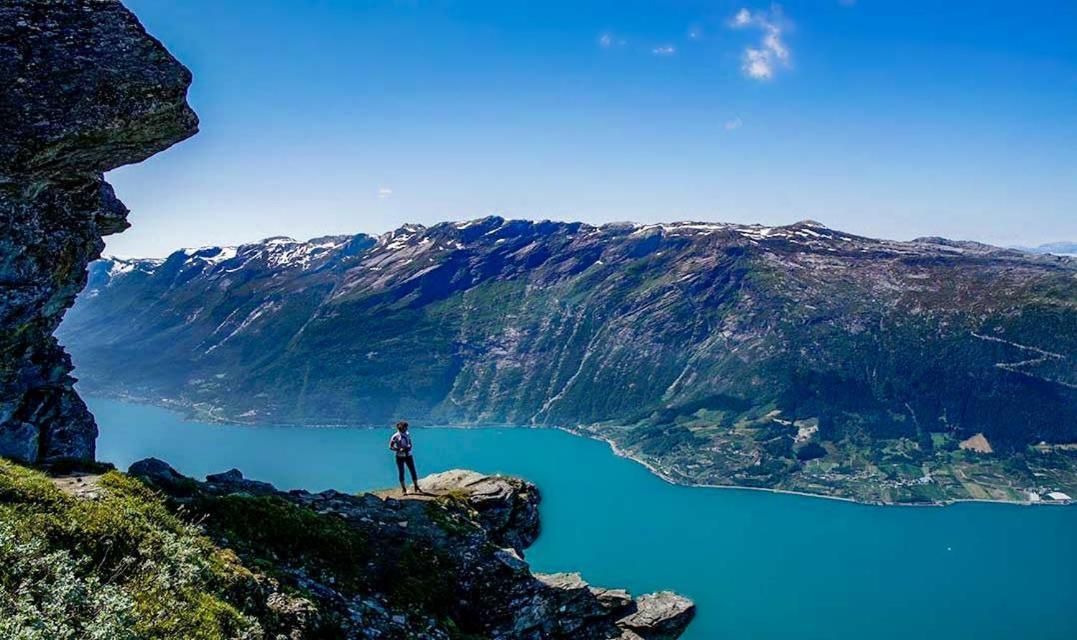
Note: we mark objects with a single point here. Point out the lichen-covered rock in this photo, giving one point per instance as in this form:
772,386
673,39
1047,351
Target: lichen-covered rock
83,89
507,507
296,618
429,567
659,616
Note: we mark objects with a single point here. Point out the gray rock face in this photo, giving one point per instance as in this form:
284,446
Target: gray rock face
659,616
232,481
493,591
83,89
506,506
155,470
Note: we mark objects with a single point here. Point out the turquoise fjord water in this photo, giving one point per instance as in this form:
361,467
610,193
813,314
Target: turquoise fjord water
758,565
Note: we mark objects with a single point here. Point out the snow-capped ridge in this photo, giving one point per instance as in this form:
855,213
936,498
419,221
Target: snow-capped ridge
422,243
122,266
211,255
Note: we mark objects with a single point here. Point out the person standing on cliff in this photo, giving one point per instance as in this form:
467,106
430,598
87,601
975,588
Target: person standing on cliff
400,444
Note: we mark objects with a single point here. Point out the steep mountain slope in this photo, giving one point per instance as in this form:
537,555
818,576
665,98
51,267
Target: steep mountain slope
713,349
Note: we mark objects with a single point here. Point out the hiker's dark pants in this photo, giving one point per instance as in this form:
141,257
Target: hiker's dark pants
408,460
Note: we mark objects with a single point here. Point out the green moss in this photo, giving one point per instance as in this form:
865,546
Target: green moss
19,485
449,522
422,577
269,532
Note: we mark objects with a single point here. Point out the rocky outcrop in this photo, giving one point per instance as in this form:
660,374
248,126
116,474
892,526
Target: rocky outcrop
474,532
83,89
232,481
655,616
506,506
658,616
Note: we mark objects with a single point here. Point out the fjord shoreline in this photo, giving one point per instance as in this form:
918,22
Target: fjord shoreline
192,412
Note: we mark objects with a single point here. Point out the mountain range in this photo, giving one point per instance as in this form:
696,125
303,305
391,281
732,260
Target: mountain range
795,357
1057,248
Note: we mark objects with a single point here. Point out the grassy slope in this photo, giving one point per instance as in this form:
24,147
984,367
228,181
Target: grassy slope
131,564
122,566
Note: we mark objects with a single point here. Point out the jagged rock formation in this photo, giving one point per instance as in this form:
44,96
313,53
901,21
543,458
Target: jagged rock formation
433,568
83,89
507,507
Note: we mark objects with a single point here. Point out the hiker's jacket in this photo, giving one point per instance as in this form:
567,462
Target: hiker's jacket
401,444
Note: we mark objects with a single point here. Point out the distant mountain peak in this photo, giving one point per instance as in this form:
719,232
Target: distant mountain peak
1067,249
412,244
274,240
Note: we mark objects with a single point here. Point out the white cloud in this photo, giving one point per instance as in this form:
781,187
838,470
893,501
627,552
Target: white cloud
607,40
665,50
384,193
757,64
761,61
735,123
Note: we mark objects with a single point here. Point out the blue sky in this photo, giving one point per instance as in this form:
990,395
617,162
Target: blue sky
893,119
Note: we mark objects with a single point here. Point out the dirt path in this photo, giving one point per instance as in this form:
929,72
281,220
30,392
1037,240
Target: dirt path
80,485
411,495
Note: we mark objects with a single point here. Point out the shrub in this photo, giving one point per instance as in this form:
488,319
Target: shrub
811,451
48,595
115,567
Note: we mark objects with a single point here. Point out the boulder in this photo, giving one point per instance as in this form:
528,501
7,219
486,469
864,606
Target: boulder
507,507
612,599
160,474
659,616
232,481
566,606
156,470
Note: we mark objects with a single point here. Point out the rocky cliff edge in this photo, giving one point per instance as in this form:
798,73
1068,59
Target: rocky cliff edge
437,565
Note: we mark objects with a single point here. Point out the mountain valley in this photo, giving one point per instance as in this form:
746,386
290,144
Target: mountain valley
798,358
